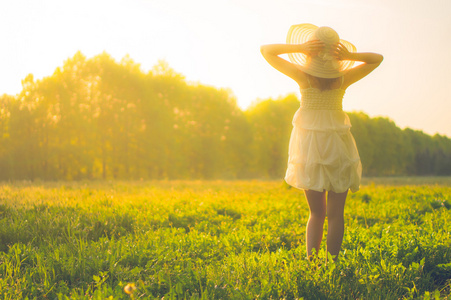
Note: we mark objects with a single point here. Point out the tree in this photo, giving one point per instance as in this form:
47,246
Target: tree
99,118
271,127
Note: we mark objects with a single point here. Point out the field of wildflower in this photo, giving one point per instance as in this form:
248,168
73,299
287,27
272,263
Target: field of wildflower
219,240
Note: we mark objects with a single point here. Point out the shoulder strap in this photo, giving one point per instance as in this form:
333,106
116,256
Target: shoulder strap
308,80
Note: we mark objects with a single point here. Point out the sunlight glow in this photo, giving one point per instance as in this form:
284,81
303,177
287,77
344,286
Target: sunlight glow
217,43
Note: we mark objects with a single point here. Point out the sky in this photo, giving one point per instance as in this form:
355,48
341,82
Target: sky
217,43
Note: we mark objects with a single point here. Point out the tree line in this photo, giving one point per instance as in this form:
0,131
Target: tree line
102,119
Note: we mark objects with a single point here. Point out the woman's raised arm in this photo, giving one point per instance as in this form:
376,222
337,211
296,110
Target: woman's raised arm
370,62
271,54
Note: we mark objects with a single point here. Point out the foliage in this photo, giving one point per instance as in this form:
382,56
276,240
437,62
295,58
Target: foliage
217,240
270,121
101,119
385,149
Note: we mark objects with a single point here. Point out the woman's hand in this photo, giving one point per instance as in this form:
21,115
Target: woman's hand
312,48
342,53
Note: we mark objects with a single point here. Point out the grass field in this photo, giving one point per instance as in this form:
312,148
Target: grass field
219,240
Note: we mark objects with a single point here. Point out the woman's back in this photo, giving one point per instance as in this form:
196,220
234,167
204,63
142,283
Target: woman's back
325,83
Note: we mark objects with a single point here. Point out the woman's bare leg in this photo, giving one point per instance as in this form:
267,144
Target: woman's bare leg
317,204
335,221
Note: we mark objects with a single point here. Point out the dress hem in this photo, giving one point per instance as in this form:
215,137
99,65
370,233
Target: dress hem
352,189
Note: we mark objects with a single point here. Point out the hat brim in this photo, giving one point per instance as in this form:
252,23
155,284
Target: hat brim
301,33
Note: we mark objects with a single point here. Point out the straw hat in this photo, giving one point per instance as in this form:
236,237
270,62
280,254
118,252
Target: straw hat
323,65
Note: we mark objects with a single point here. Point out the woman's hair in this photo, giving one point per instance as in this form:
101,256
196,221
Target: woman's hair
325,83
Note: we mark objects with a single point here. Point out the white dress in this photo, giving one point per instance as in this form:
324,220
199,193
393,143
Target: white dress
322,152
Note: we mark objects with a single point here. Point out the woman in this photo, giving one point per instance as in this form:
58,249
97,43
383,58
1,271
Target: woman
323,156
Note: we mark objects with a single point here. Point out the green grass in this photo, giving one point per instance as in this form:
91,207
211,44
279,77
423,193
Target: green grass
219,240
